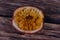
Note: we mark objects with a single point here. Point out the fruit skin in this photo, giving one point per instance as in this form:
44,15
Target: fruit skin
23,30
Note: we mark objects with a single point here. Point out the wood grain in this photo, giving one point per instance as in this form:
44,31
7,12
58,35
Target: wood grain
50,30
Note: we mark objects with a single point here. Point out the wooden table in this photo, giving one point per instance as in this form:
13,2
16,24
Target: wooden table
51,29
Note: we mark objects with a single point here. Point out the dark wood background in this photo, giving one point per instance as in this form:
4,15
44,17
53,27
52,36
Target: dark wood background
51,29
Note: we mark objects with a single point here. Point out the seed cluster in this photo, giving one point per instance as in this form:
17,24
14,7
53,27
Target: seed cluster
28,19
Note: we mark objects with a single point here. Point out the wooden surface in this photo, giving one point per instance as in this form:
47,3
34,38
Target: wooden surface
51,29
